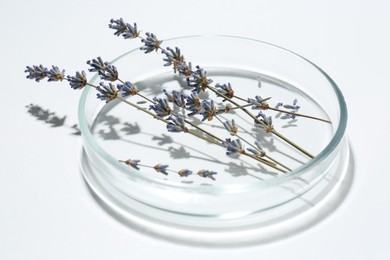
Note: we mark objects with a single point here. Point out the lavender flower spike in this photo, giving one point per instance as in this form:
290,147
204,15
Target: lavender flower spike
198,80
107,92
257,152
184,173
208,110
161,107
193,103
176,97
55,74
151,43
230,126
79,81
266,123
105,70
294,109
36,72
132,163
172,57
128,89
258,103
234,147
177,125
161,168
225,89
207,174
125,29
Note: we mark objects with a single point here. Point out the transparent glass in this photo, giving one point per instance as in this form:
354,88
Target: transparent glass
244,201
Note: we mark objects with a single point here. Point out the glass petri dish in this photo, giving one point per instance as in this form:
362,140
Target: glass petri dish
248,202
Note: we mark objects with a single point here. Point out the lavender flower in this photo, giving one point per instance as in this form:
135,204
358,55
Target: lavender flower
176,97
79,81
208,110
233,146
184,69
230,126
259,152
172,57
36,72
198,80
151,43
125,29
105,70
258,103
184,173
161,107
97,65
294,109
107,92
161,168
278,105
207,174
55,74
110,73
177,125
132,163
127,89
193,103
225,89
266,123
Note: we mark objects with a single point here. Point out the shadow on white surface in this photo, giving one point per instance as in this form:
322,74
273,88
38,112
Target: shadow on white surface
316,209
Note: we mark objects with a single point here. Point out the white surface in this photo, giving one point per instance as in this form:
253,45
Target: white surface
47,211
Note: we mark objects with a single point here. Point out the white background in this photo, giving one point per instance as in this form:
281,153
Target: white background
46,209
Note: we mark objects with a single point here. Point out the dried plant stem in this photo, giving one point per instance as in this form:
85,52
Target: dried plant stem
260,122
166,121
291,143
300,115
264,161
284,111
273,162
266,156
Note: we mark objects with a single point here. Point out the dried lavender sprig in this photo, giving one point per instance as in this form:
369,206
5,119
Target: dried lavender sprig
79,81
127,89
231,127
55,74
262,123
235,147
175,58
107,92
175,127
207,174
177,124
161,107
296,114
127,30
151,43
225,89
36,72
198,80
40,72
165,120
163,168
132,163
105,70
